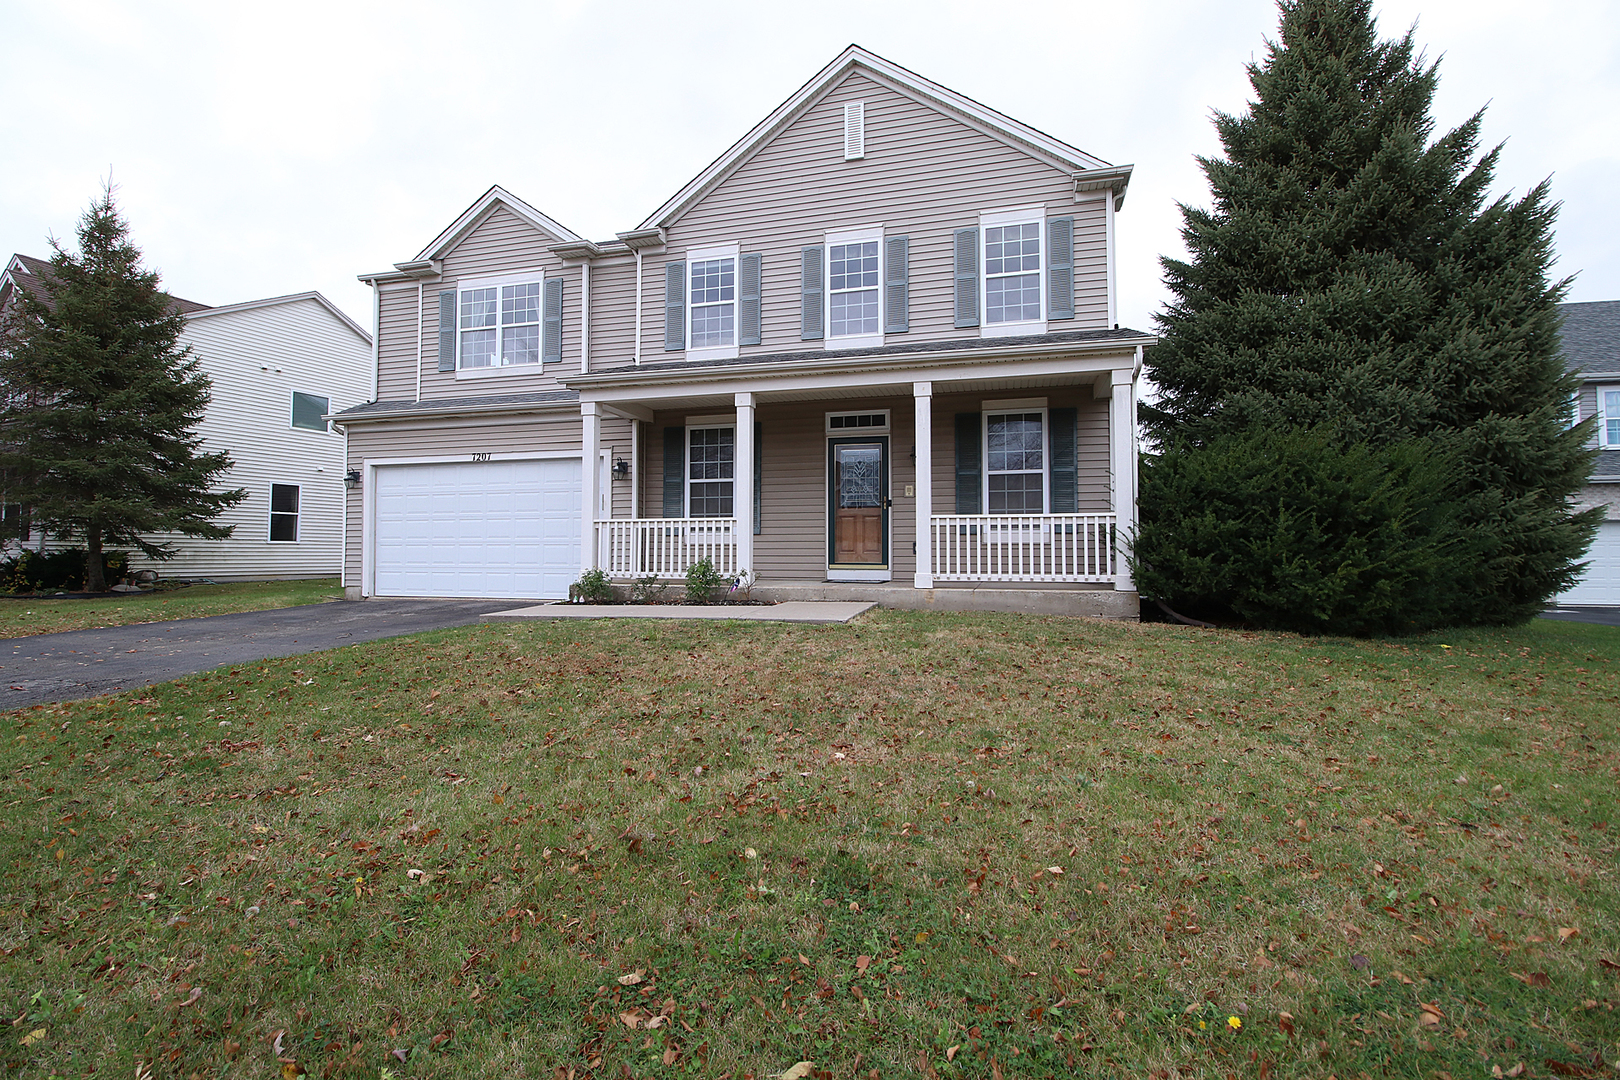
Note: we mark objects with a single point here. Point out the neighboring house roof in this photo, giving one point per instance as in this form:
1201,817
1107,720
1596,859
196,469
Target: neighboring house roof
291,298
1090,172
1591,337
24,272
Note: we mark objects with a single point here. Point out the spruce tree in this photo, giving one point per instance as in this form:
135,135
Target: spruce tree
101,402
1350,275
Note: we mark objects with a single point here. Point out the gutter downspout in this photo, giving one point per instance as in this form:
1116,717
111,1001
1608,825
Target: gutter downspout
376,335
418,339
585,318
638,307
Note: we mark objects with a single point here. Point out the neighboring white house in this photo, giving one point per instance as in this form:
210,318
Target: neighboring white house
1591,341
278,367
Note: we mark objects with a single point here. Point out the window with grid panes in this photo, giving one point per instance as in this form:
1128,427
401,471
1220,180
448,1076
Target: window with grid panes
500,325
852,284
710,457
1012,273
1608,399
713,300
1015,463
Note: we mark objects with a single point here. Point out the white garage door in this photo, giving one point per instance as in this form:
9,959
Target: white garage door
504,529
1601,582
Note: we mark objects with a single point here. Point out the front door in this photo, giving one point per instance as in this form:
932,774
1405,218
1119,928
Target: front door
858,509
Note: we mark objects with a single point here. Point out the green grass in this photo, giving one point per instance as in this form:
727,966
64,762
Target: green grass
24,616
508,849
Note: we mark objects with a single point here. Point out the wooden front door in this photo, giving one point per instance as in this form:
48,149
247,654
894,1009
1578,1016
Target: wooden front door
858,503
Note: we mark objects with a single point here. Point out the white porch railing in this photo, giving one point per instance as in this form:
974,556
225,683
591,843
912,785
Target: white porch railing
665,547
1024,547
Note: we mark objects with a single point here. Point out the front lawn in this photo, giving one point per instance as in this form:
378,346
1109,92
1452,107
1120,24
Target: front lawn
24,616
917,845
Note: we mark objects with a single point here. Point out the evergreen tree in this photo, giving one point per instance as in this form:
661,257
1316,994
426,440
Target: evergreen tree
101,399
1349,273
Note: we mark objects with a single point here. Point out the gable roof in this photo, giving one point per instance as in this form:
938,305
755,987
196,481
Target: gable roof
964,108
470,218
1591,337
291,298
25,271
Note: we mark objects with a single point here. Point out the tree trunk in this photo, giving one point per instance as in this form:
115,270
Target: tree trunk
94,580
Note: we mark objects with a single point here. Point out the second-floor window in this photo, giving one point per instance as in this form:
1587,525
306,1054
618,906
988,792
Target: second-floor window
1012,273
713,301
499,325
853,276
308,411
1608,401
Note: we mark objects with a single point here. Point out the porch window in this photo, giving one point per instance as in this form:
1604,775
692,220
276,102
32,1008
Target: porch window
710,465
1015,462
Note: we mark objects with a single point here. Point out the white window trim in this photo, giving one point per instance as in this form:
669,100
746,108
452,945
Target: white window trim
498,371
686,464
864,235
989,219
1604,418
697,255
1001,408
326,425
298,516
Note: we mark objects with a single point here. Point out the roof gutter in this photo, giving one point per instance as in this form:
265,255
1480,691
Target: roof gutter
1115,178
512,408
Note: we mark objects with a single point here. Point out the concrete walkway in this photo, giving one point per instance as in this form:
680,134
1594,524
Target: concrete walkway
794,611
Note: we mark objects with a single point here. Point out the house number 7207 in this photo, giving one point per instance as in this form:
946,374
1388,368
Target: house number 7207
480,457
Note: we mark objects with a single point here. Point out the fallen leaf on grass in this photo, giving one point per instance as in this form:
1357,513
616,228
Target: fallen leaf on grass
798,1072
950,1052
1431,1015
37,1035
862,963
440,1039
633,978
671,1055
196,992
1398,977
1535,978
232,1048
1567,932
1498,1072
632,1019
1286,1022
1604,961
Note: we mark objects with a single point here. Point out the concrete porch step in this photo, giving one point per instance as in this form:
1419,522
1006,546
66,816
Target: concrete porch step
1097,603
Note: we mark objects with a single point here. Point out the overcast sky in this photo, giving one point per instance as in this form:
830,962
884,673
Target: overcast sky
273,148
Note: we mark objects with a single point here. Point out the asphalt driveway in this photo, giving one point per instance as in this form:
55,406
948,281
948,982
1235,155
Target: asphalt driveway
1603,616
84,663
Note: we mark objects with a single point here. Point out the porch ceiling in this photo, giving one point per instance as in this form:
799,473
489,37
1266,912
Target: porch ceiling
669,396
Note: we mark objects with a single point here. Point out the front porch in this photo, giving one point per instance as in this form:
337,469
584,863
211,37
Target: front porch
936,482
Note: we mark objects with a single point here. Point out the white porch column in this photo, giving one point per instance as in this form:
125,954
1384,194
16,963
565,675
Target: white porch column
589,482
742,481
1122,466
922,394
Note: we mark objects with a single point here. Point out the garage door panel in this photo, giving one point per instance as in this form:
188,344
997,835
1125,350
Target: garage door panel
497,529
1600,584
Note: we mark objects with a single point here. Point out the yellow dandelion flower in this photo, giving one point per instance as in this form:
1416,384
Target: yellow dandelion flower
1234,1023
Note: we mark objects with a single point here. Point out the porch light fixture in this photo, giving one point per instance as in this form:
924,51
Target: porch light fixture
351,479
621,468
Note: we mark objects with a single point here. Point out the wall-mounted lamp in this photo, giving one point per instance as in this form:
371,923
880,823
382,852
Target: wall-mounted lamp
351,479
621,468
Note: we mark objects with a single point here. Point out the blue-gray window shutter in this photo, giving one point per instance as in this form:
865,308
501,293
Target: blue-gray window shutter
674,309
896,286
810,294
1065,478
447,330
968,439
759,473
551,322
1060,268
967,279
674,472
748,331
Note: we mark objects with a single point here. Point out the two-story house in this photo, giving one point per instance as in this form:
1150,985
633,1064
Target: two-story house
874,344
277,367
1591,343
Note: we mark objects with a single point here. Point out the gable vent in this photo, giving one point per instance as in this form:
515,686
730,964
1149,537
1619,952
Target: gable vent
854,130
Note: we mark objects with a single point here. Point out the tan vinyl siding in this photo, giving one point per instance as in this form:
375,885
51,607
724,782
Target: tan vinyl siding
459,439
397,343
613,308
256,358
925,174
500,245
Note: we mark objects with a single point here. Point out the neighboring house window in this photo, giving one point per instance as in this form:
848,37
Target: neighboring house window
308,410
1015,462
14,522
854,286
1609,417
500,324
710,468
712,300
284,512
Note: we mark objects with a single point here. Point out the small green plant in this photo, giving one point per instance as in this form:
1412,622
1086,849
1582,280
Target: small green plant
704,585
649,590
593,587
